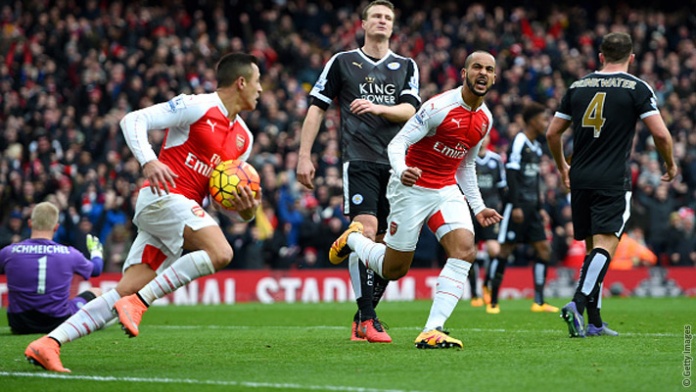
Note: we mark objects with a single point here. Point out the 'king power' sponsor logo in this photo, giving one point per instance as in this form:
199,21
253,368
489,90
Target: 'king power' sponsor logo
378,93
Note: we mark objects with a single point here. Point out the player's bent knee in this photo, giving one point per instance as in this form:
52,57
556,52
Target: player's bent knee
395,272
221,256
466,254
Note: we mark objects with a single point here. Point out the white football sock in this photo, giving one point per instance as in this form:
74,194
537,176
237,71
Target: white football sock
369,252
594,270
187,268
449,289
91,317
354,272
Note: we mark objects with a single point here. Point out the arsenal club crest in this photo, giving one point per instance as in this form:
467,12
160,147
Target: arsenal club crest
393,227
198,211
240,142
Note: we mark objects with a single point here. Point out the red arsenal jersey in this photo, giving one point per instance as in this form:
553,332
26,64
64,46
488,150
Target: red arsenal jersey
198,137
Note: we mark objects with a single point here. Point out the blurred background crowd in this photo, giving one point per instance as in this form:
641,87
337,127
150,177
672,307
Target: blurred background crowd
69,70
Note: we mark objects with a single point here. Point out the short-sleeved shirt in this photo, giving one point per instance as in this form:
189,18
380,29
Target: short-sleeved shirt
353,75
603,109
524,156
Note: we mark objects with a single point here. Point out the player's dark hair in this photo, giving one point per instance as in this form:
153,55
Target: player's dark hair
385,3
531,110
233,65
470,57
616,47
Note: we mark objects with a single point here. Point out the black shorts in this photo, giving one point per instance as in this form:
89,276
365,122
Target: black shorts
599,211
33,321
365,191
530,230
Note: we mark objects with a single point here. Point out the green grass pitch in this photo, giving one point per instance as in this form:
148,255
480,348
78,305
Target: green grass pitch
306,347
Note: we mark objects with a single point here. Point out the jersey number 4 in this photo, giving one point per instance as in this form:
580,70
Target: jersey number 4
594,114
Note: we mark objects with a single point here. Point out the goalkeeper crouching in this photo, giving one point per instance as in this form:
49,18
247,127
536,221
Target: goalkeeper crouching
40,272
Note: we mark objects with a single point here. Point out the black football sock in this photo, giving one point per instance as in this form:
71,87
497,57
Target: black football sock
365,307
378,289
490,272
593,316
497,280
594,268
539,281
473,277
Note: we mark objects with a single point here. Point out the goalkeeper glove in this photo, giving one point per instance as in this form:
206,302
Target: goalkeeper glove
95,248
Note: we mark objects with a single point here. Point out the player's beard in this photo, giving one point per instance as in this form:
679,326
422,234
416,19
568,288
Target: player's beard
472,88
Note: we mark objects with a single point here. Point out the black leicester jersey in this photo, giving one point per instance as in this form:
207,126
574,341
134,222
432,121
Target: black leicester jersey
353,75
522,167
490,173
603,109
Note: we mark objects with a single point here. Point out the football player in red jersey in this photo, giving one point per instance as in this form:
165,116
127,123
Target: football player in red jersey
431,158
201,131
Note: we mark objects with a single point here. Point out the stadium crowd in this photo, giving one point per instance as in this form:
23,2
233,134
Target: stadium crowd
70,70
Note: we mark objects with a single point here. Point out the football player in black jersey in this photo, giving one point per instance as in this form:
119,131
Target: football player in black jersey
603,108
490,173
522,216
377,92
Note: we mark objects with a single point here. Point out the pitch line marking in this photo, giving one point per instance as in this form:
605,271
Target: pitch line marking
157,380
413,328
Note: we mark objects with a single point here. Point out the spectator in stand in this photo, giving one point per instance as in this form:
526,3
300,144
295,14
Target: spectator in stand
14,230
632,252
116,247
659,205
575,251
681,245
44,84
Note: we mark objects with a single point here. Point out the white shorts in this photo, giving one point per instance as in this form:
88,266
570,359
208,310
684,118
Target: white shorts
161,221
443,210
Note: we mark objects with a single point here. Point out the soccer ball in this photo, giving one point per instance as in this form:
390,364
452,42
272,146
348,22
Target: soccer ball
230,175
